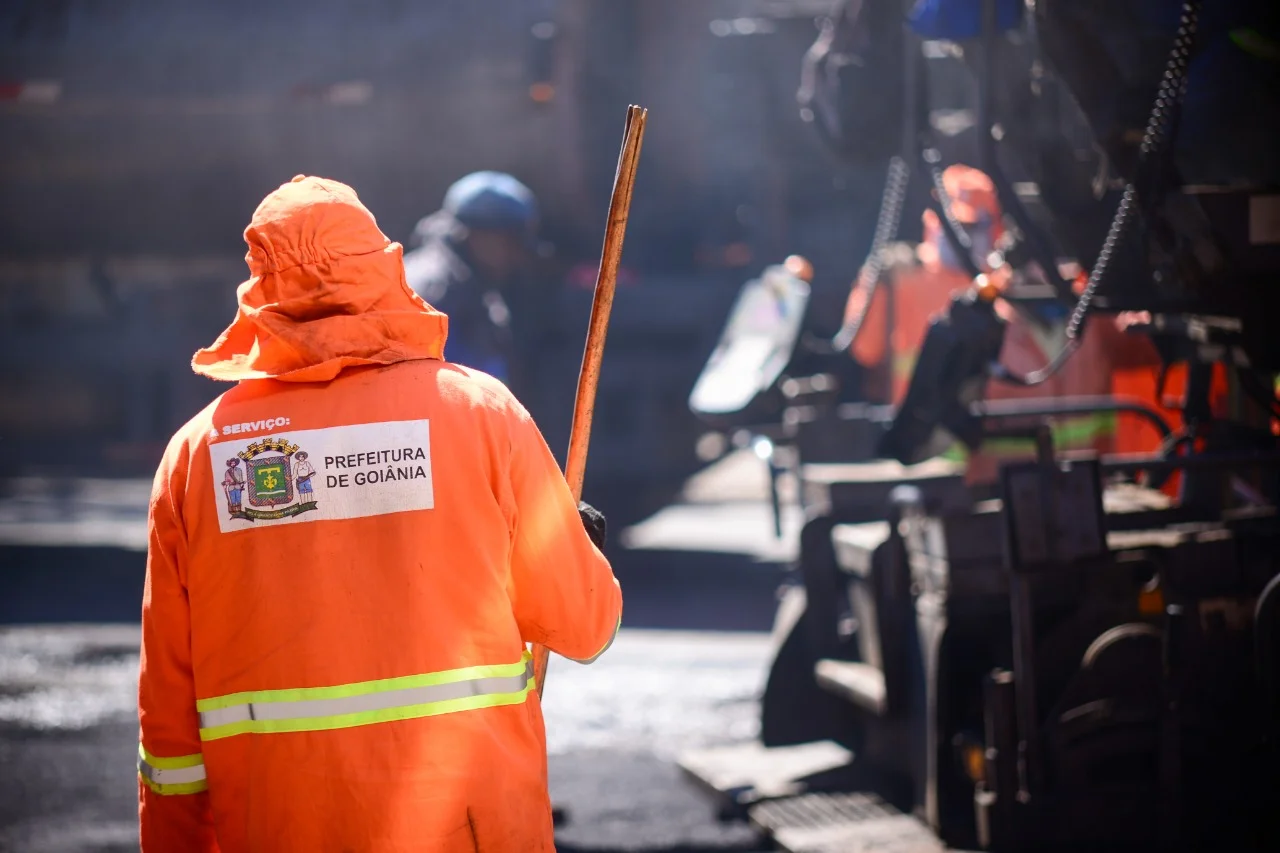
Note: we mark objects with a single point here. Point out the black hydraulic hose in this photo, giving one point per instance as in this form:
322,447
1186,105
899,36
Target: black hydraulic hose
894,196
1173,88
887,224
951,227
1042,249
1266,621
1041,246
1124,463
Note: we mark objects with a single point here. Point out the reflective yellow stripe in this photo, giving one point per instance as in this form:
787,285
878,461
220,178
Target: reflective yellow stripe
1083,429
184,774
903,364
1069,433
361,688
364,703
170,763
1072,433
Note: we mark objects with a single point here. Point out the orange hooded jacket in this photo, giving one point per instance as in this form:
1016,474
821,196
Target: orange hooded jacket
348,552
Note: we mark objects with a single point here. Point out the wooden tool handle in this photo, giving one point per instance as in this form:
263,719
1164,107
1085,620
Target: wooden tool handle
575,468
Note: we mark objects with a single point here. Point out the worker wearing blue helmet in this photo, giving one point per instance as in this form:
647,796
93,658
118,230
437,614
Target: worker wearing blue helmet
467,260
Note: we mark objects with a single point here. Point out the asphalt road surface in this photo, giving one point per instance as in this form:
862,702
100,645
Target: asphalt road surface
68,738
699,578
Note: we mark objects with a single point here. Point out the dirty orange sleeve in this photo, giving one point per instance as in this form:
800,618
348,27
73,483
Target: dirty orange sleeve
564,593
173,800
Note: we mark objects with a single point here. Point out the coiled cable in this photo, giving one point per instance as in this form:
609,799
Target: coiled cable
887,224
954,232
1169,97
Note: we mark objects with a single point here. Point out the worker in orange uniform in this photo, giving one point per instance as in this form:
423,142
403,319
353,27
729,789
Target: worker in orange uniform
924,285
337,659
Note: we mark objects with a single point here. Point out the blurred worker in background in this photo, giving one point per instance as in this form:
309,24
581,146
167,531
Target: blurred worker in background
919,284
471,259
915,288
333,645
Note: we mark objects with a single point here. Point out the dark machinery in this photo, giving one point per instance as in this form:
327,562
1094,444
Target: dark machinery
1082,661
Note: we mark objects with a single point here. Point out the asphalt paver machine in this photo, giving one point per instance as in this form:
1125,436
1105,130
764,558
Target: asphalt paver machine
1087,655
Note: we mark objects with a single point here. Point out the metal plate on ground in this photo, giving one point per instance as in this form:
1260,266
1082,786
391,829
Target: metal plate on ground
748,772
855,544
860,491
842,823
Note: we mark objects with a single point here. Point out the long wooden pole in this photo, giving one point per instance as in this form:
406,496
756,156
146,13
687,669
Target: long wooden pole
575,468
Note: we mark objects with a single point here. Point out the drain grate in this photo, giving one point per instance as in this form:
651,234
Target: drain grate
814,810
842,823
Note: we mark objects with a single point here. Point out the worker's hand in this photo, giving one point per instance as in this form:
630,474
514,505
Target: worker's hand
593,521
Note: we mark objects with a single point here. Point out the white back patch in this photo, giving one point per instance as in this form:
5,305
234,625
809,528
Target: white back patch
322,474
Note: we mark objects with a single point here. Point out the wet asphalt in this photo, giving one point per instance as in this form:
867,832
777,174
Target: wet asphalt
68,737
686,673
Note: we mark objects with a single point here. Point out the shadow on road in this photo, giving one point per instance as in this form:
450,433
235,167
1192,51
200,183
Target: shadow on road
677,590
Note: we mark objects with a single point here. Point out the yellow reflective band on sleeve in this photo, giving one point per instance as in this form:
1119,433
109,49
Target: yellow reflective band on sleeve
1072,433
904,363
367,702
181,775
1083,430
596,656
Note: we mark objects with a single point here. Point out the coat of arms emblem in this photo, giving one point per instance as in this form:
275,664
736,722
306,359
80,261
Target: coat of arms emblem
276,481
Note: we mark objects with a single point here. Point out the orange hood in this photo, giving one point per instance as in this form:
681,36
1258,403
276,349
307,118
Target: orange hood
326,291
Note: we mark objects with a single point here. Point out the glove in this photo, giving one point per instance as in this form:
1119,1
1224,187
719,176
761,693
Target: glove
593,521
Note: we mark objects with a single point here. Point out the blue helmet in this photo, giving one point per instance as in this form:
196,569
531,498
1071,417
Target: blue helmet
492,201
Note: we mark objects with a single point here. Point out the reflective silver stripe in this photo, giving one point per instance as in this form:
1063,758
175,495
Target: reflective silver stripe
312,708
180,776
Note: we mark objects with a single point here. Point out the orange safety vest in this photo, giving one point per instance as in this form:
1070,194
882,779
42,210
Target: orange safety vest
1142,382
919,293
348,552
1086,373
